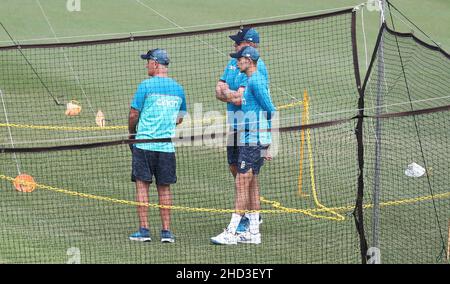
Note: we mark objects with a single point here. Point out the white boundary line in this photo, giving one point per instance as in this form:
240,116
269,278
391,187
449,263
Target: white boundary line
81,37
178,26
10,134
69,63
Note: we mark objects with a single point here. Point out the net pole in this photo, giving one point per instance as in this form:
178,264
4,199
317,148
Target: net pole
419,139
448,242
379,102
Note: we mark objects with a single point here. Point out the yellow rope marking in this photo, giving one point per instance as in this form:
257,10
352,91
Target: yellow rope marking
302,143
279,208
133,203
118,127
291,105
399,202
65,128
305,121
274,204
313,182
309,212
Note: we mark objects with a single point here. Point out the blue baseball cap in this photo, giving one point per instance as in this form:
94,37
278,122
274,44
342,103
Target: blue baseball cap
246,34
248,51
159,55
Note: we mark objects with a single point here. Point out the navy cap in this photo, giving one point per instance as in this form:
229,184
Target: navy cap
246,34
248,51
159,55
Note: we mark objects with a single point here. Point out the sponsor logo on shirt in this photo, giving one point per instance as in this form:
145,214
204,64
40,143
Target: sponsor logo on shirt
165,102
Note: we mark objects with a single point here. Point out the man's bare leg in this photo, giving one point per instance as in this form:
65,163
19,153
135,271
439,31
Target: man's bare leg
142,188
165,198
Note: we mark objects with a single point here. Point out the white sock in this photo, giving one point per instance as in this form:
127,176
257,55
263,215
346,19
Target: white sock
235,219
254,222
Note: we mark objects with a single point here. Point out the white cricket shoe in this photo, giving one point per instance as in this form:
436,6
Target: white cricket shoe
249,238
225,238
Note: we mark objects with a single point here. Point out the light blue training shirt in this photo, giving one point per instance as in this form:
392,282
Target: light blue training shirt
235,79
159,101
257,110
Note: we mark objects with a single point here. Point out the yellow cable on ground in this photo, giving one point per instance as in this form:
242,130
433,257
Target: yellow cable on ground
65,128
302,144
279,208
399,202
311,163
308,212
117,127
128,202
288,106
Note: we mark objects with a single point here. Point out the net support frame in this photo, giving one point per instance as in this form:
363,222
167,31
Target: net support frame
378,142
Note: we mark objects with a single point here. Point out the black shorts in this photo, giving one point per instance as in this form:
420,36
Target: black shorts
251,157
232,149
147,164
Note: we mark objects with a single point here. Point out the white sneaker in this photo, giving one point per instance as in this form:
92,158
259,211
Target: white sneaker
249,238
225,238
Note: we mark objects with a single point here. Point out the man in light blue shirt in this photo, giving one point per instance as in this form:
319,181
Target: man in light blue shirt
157,107
230,89
255,138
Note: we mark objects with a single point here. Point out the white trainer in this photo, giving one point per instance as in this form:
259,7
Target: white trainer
225,238
249,238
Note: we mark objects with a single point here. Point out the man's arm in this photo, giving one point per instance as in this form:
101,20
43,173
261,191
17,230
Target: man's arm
183,108
136,106
222,84
224,94
180,117
235,97
220,91
133,119
264,100
268,154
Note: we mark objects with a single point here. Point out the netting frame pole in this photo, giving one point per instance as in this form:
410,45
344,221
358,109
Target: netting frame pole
379,102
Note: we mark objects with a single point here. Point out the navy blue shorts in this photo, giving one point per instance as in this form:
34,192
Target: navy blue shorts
232,149
251,157
146,164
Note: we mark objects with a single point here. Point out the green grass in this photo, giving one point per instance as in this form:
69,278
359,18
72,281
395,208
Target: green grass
41,226
48,228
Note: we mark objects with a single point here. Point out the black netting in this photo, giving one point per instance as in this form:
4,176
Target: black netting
414,210
81,205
